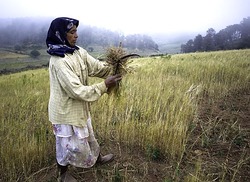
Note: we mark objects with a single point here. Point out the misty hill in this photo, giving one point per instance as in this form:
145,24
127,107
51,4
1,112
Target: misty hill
170,43
27,32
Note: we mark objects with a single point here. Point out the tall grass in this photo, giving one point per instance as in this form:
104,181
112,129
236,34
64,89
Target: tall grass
158,103
155,111
26,143
152,107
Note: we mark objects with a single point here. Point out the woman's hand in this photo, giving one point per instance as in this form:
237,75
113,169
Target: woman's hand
111,81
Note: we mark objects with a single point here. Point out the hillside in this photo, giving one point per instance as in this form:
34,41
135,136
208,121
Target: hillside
171,43
183,117
12,61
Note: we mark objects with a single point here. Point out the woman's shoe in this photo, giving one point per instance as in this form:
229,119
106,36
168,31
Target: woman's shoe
66,177
105,159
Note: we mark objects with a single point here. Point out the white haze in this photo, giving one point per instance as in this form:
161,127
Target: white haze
131,16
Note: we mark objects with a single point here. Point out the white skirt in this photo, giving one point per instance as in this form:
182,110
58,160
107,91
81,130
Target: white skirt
76,146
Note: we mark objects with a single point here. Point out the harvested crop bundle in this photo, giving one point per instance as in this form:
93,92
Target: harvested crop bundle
119,61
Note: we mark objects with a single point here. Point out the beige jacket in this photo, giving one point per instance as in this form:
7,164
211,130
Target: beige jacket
69,91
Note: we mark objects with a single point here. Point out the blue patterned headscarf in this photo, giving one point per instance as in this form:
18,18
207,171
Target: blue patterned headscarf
56,38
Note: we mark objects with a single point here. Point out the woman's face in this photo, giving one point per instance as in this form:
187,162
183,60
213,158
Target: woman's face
72,36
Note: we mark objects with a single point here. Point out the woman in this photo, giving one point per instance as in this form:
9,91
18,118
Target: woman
70,95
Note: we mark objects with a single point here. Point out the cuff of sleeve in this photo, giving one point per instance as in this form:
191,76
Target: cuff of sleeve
102,87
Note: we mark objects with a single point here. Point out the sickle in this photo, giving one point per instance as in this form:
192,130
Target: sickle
127,56
123,58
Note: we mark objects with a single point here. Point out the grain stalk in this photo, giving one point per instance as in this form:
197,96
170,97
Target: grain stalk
119,62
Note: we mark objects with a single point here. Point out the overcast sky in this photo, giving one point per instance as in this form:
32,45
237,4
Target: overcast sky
136,16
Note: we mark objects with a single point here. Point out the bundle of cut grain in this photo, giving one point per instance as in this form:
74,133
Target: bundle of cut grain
119,62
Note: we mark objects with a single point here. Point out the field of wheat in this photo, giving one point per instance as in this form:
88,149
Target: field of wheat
156,114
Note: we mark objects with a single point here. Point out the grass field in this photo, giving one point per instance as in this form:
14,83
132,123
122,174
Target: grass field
10,61
183,117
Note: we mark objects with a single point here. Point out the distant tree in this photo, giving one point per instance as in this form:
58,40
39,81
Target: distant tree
138,41
228,38
17,47
35,53
149,43
183,48
235,36
85,36
90,49
198,43
245,33
41,35
209,41
220,40
130,41
188,47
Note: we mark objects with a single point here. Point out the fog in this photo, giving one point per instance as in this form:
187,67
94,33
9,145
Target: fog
131,17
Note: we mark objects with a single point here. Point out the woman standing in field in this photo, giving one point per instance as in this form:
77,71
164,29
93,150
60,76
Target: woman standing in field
70,95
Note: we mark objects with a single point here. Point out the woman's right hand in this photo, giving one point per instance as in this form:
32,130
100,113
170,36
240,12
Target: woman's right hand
111,81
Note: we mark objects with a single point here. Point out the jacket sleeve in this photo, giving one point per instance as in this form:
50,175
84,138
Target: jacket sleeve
72,85
97,68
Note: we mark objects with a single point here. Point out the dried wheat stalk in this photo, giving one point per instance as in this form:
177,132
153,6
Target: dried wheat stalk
119,62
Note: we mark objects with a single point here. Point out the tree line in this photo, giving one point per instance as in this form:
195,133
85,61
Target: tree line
24,32
235,36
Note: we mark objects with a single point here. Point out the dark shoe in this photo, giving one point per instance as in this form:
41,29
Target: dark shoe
105,159
66,177
61,172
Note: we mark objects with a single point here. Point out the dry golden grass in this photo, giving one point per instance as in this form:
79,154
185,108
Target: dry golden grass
157,116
